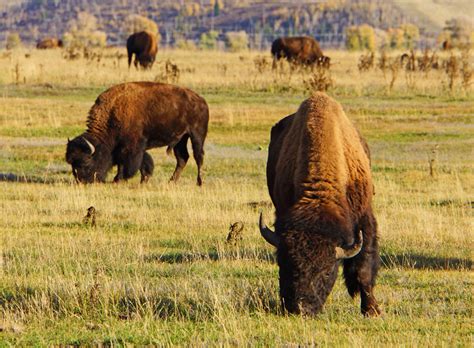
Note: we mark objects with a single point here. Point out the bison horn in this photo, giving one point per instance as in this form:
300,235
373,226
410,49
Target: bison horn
270,236
352,251
92,147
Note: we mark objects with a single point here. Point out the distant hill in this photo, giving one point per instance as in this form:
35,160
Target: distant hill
188,19
436,12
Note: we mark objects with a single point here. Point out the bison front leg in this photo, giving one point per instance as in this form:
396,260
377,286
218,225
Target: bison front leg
129,160
147,167
360,272
119,175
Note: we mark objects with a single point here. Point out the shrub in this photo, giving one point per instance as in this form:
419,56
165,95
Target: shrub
352,38
395,38
319,80
366,62
411,34
83,32
209,40
360,38
13,41
237,40
136,23
185,44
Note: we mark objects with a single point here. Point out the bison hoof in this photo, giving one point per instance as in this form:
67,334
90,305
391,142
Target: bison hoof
144,179
372,311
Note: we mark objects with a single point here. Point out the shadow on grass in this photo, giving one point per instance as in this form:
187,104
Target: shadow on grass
212,255
451,203
197,309
414,261
10,177
419,261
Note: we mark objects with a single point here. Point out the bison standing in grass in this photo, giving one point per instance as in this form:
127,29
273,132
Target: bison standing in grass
145,46
302,50
319,179
49,43
130,118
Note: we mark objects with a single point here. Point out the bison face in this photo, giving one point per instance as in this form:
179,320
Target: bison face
308,267
146,61
308,270
87,162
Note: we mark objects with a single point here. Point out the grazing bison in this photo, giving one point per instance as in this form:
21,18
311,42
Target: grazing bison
130,118
301,49
319,179
144,45
49,43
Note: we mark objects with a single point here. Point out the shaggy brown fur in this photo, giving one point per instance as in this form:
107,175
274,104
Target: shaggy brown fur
300,49
49,43
319,179
130,118
145,46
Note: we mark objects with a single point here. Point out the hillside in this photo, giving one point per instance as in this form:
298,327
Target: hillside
262,20
437,12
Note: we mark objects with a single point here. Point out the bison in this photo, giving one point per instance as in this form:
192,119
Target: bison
319,180
302,50
144,45
130,118
49,43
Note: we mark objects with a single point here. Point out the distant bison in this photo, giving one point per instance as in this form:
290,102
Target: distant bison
130,118
49,43
144,45
300,49
319,179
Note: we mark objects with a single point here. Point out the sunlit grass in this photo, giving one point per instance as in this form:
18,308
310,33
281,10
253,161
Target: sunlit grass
156,268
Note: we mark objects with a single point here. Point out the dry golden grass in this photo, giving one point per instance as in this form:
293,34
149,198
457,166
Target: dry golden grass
156,268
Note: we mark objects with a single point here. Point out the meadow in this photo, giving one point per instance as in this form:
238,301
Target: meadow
156,268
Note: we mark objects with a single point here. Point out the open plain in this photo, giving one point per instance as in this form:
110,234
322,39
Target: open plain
156,268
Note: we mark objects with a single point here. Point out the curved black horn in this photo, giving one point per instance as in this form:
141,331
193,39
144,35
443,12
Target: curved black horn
92,147
352,251
270,236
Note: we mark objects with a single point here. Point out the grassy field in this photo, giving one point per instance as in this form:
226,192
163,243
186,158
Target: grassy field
157,270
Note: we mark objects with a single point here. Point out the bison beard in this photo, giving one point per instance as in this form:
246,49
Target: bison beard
318,176
129,119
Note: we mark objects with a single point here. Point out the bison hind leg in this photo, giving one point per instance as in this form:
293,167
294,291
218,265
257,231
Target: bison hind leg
181,153
147,167
198,153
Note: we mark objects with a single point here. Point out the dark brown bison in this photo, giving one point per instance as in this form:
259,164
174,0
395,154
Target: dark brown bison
446,45
130,118
319,179
49,43
144,45
300,49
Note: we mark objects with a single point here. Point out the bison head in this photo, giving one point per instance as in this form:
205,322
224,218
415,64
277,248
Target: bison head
89,161
308,266
146,61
